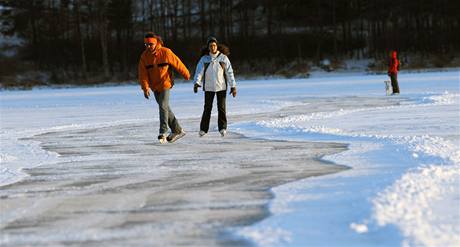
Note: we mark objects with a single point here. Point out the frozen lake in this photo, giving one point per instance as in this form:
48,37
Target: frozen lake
326,161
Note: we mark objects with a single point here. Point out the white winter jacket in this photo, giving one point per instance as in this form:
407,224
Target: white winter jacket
214,72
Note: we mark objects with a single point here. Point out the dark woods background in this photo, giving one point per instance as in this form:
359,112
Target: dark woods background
90,41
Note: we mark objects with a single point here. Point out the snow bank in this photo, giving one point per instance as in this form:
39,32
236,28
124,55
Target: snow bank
421,205
422,202
267,236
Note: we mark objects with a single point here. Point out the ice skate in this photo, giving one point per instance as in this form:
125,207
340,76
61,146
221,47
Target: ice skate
175,136
162,139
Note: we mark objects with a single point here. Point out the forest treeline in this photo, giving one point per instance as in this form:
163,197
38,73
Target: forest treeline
87,41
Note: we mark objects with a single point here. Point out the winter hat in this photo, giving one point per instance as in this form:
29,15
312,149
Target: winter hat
211,39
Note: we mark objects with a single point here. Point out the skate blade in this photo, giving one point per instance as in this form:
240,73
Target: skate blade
177,137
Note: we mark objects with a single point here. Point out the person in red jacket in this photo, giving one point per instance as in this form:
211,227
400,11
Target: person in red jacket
155,75
393,72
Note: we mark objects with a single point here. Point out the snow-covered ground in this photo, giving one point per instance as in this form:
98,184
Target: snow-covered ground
404,151
404,187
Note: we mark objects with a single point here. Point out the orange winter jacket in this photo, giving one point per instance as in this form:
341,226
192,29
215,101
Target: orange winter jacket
155,69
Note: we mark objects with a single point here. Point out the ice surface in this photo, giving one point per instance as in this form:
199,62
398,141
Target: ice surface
403,188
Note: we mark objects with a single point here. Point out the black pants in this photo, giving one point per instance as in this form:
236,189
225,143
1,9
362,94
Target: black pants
394,83
222,118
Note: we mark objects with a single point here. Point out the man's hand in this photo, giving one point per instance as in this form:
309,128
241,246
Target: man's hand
233,91
146,94
195,88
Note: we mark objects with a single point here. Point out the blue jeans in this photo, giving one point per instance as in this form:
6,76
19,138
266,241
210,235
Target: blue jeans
167,117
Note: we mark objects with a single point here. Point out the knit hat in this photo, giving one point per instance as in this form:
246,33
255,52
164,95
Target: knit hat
211,39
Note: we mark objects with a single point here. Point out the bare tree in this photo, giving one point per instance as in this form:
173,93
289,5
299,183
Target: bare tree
84,69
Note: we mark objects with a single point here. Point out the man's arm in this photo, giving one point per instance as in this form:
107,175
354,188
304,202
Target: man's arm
143,76
177,64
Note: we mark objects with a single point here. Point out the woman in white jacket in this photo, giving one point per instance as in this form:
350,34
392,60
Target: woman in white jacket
215,74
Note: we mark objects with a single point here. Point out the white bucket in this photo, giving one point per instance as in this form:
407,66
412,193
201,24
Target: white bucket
387,87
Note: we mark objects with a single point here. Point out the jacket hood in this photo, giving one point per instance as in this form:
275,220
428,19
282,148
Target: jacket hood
393,54
158,47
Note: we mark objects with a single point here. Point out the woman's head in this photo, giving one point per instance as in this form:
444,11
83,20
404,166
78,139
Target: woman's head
212,44
212,47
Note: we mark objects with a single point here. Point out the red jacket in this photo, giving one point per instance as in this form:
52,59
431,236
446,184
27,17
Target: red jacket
394,64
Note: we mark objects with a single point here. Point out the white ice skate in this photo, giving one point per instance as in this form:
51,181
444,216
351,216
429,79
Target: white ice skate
201,133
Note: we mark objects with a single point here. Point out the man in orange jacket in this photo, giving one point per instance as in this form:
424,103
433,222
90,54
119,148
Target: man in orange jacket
393,72
155,74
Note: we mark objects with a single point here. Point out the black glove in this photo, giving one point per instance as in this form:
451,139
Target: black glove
195,88
146,94
233,91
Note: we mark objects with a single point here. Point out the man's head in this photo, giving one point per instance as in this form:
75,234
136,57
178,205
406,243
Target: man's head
212,44
151,41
